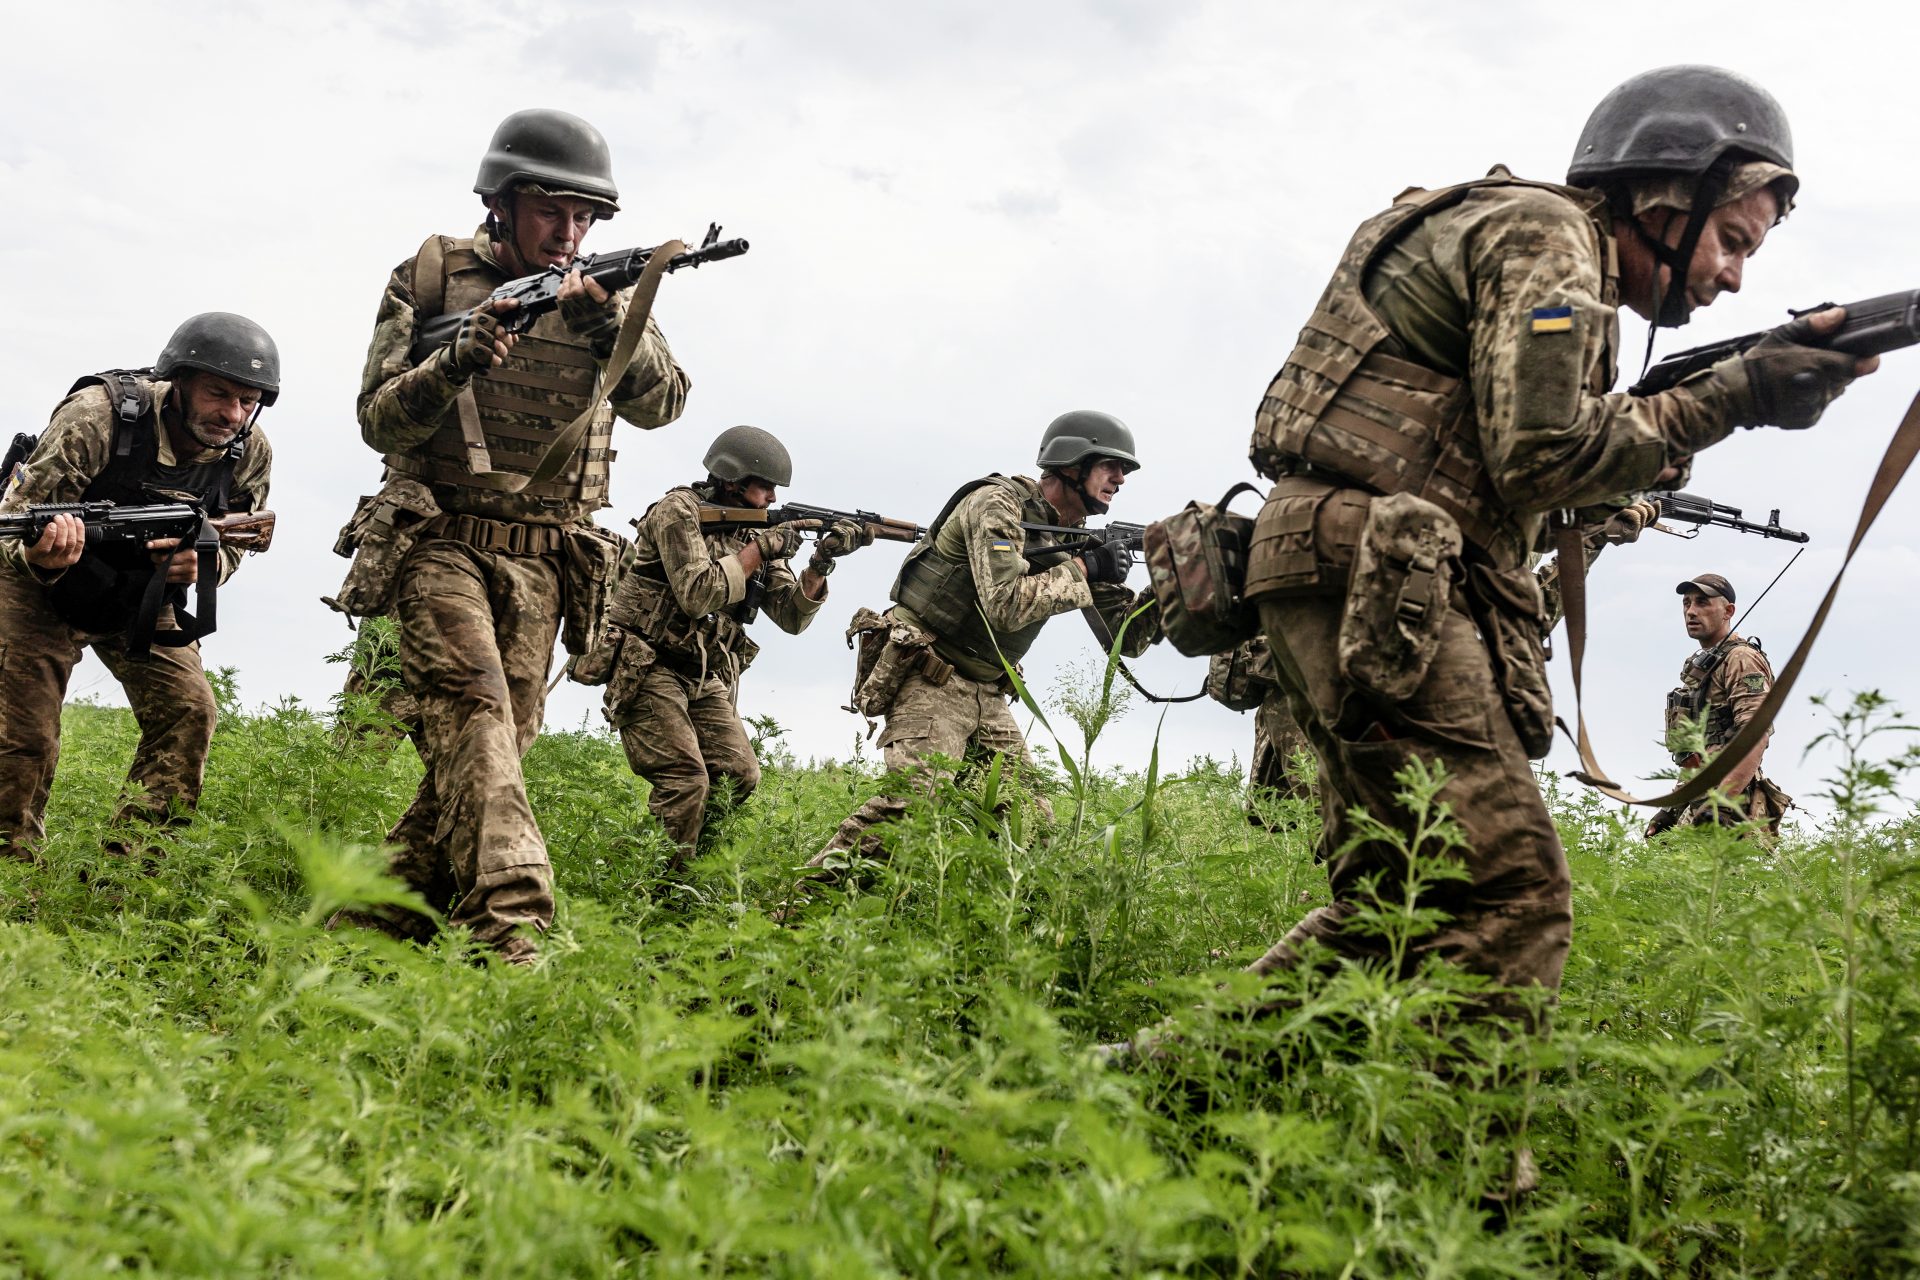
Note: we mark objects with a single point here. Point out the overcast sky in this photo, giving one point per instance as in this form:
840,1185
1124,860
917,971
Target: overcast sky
966,218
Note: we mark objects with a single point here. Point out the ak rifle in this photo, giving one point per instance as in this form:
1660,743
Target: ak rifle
1872,328
1691,508
111,525
539,293
810,520
1071,539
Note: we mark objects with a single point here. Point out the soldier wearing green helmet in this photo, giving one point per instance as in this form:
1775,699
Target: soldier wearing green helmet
184,429
968,599
678,638
480,550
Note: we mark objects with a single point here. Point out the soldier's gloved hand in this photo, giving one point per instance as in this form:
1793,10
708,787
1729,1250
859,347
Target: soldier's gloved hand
842,537
1791,383
777,542
477,345
1107,562
589,312
1626,524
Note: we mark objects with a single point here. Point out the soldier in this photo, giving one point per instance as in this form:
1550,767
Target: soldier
494,555
1449,390
679,619
183,430
967,599
1242,679
1721,687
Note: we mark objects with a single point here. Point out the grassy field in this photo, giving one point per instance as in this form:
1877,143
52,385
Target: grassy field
202,1082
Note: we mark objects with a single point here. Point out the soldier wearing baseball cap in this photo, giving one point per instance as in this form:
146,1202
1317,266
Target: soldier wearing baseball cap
1721,688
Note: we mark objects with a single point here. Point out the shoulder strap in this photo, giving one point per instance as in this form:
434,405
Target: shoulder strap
130,392
429,279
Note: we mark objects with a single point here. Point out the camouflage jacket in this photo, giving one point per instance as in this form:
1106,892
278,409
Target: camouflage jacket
685,585
984,530
75,448
1728,693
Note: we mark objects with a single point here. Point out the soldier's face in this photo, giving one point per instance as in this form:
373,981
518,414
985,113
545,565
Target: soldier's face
1104,479
1707,617
1733,233
213,408
547,230
756,493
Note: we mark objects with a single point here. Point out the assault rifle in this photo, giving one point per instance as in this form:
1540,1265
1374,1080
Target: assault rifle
811,520
1872,328
539,293
111,525
1691,508
1070,539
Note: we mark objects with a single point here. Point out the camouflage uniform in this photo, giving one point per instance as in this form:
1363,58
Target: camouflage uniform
478,600
1724,685
952,700
1243,679
168,689
674,693
1462,353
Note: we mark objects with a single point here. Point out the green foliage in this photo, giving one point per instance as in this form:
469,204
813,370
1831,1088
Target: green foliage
201,1081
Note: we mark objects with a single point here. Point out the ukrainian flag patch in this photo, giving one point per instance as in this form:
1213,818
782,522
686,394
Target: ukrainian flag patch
1002,544
1552,320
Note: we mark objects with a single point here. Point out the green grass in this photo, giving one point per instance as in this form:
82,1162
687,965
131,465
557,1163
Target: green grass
199,1081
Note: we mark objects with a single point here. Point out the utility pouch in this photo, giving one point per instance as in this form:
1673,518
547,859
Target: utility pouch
1513,620
1240,678
1681,714
595,666
631,665
866,636
904,651
589,571
1197,564
384,527
1304,540
1398,595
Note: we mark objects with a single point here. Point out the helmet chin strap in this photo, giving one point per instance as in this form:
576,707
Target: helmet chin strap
1670,309
1094,506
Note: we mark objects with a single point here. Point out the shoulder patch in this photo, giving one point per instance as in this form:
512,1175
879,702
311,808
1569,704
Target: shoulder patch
1755,683
1552,320
1001,544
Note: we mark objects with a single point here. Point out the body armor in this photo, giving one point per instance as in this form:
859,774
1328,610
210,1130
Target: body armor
102,592
644,604
1687,700
1343,410
505,418
940,592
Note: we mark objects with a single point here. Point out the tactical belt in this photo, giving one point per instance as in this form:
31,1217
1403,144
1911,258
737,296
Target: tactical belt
509,537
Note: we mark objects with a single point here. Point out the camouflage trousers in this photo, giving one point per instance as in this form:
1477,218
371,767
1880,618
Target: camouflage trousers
1512,919
168,690
683,735
1760,802
476,638
962,719
1277,739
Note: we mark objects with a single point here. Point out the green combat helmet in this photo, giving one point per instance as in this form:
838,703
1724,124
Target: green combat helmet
232,346
1084,435
558,153
1678,122
742,453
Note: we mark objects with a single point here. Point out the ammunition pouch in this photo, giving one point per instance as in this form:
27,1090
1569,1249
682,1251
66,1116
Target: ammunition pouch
589,571
898,651
1398,595
1197,564
1507,607
1304,539
646,607
1241,678
383,529
595,666
633,660
1681,712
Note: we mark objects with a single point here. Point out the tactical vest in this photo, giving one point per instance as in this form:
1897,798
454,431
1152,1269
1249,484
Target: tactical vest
102,592
503,420
1344,408
1689,698
644,604
941,593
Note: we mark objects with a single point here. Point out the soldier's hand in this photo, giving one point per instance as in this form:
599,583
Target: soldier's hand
1107,562
777,542
842,537
59,545
1626,524
588,310
183,563
1791,382
480,344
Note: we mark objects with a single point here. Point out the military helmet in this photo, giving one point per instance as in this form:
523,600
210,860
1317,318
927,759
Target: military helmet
1679,120
229,345
1083,435
561,154
739,453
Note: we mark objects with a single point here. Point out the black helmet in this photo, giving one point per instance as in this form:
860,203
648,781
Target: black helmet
740,453
229,345
560,153
1679,120
1083,435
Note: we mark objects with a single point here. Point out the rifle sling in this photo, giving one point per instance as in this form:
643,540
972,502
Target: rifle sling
143,634
1573,595
633,327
